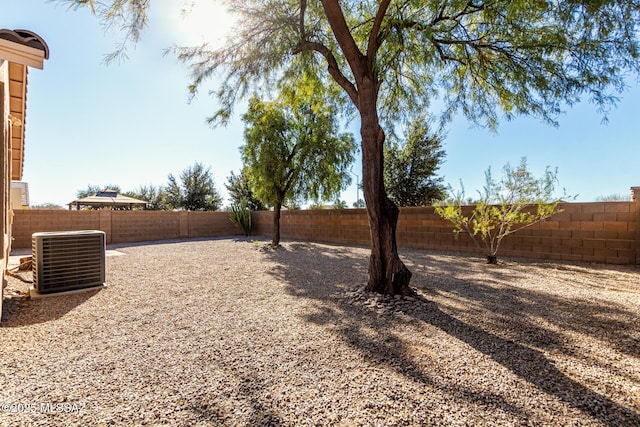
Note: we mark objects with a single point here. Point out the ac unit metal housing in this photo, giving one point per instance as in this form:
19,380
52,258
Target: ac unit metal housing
68,260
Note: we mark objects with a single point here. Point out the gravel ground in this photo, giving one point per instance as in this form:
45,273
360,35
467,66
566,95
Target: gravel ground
228,332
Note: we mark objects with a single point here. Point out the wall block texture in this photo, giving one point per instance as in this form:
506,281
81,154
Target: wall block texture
123,226
603,232
606,232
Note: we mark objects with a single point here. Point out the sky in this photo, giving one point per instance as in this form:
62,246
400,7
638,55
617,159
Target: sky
131,124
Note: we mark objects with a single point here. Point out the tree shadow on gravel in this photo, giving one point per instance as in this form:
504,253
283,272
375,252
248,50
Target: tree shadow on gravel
209,412
252,388
249,389
512,308
508,338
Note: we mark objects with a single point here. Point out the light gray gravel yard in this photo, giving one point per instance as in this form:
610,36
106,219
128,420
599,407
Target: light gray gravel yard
227,332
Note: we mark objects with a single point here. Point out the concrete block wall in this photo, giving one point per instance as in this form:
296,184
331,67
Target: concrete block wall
586,232
210,224
635,197
607,232
123,226
27,222
344,226
604,232
142,226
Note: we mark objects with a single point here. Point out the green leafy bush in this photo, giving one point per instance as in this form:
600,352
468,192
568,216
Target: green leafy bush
517,201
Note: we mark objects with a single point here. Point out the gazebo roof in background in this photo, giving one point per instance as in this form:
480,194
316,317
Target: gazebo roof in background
107,198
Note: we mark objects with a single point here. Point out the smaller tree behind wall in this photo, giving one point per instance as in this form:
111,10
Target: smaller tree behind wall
91,190
614,198
517,201
410,166
339,204
239,188
196,190
155,197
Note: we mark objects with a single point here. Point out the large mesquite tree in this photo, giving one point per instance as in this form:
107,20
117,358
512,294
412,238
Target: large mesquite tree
391,58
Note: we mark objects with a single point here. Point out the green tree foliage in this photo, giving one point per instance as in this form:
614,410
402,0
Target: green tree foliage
359,204
196,190
294,205
91,190
339,204
392,58
239,188
410,166
155,197
517,201
293,150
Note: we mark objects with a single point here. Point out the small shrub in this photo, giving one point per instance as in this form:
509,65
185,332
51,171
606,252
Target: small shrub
517,201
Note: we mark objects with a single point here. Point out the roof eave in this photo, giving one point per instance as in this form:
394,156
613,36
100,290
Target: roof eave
21,54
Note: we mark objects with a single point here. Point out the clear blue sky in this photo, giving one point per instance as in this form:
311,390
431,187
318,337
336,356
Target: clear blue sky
130,124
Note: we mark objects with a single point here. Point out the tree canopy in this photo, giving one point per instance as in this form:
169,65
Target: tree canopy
155,197
91,190
295,152
195,191
410,166
239,188
479,57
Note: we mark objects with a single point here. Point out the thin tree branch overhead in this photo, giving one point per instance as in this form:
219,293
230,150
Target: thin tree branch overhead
374,40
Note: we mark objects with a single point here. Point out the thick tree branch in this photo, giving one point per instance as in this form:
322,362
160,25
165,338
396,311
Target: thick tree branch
343,35
332,67
303,11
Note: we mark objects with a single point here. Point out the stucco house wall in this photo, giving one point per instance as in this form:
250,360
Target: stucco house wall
19,50
5,237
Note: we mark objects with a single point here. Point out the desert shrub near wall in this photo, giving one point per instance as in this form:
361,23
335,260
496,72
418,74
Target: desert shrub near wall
517,201
241,216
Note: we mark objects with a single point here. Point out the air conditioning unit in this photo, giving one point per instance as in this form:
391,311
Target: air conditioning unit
68,260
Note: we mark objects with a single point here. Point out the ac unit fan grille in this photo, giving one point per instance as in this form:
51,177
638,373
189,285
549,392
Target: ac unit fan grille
64,261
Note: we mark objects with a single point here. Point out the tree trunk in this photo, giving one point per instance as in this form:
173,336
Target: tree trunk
387,273
275,240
